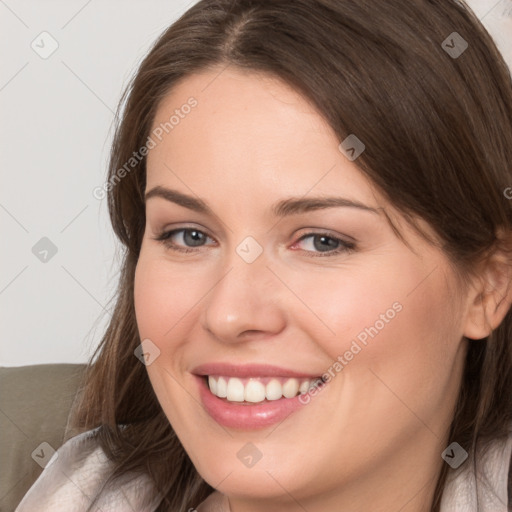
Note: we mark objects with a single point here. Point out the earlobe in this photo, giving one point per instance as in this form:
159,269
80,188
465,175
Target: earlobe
490,300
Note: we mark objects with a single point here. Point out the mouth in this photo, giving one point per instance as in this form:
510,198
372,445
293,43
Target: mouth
249,398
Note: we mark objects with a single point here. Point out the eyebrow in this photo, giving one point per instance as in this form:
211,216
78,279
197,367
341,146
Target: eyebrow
283,208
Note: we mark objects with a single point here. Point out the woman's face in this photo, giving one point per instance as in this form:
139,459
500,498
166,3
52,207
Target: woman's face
278,288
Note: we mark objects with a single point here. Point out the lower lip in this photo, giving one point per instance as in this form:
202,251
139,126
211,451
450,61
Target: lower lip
246,416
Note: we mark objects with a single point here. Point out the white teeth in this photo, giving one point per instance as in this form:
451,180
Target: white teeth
254,390
213,384
290,388
273,390
235,392
304,386
222,387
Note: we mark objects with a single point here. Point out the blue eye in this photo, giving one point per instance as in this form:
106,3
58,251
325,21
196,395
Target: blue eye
332,245
194,238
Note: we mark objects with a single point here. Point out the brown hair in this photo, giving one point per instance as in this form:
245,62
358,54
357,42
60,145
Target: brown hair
438,137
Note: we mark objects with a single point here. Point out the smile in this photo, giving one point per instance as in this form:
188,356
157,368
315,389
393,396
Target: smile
249,397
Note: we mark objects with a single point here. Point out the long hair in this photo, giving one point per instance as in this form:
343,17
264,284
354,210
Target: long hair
438,134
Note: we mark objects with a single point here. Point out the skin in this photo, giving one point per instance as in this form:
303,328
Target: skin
372,438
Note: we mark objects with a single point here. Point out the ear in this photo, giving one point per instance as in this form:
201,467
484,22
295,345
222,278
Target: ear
490,296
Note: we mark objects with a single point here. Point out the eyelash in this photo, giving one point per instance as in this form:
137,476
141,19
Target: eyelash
346,247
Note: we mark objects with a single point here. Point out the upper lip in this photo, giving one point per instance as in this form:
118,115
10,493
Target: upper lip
248,370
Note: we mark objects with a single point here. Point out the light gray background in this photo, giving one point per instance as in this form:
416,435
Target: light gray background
55,133
56,117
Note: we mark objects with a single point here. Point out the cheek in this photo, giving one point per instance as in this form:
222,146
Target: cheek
407,363
397,318
355,304
163,299
151,301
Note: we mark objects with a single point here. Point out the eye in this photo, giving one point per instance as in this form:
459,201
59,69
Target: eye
192,237
325,244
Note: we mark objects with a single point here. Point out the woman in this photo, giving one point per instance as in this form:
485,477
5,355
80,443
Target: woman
314,306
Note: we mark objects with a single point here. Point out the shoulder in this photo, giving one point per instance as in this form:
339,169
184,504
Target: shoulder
483,482
75,475
72,474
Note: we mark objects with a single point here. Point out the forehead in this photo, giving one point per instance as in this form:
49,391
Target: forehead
250,129
250,112
228,88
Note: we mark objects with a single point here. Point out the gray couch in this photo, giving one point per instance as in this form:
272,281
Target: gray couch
34,405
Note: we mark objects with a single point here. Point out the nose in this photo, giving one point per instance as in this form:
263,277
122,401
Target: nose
246,303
